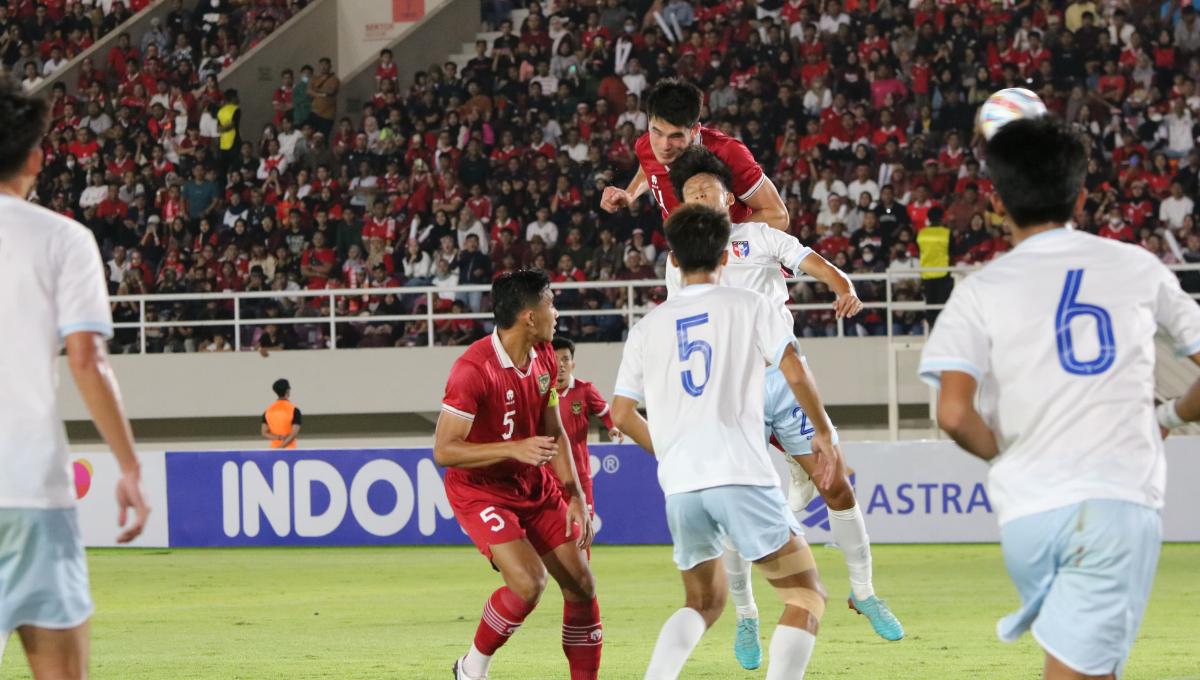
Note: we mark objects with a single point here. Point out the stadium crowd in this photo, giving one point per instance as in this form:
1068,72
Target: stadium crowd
861,113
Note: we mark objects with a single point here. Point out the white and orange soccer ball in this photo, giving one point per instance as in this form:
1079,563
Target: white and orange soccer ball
1005,106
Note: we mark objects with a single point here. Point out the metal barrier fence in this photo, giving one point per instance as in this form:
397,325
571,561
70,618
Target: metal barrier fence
318,310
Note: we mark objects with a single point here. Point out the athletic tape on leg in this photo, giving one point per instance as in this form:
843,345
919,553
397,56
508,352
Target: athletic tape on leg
779,572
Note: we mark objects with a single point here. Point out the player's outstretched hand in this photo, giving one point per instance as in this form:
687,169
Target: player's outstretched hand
535,450
846,306
616,435
577,513
826,454
614,198
131,497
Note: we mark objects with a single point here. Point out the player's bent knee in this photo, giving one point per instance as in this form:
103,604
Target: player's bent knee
793,575
527,585
710,605
839,495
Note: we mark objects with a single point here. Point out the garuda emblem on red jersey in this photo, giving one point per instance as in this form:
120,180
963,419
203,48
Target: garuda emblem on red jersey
577,407
543,383
741,248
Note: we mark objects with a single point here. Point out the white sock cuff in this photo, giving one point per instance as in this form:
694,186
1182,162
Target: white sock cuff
850,514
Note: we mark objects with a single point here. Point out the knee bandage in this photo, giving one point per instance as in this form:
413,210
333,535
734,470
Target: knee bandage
781,573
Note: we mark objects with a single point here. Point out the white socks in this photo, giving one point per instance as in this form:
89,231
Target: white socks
476,663
676,641
850,532
740,586
790,650
3,643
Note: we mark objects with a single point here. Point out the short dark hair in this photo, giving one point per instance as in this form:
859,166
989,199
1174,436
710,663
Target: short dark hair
935,215
514,292
24,119
675,101
281,387
560,342
698,235
698,160
1038,167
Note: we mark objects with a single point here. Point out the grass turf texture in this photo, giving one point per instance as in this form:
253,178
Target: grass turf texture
409,612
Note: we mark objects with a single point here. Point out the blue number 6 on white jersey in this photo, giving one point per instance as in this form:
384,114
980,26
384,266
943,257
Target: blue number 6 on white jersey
1068,309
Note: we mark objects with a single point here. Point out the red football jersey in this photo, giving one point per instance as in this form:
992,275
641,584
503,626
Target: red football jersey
576,403
503,404
747,175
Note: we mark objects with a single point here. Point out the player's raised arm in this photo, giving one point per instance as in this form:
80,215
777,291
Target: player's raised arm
767,206
846,304
614,198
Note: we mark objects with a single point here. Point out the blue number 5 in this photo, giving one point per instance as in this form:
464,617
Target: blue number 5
1068,309
689,347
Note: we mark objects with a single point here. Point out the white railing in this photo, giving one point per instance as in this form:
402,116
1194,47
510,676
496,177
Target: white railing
629,311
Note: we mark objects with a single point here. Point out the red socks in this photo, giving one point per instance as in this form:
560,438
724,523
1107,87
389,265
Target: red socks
582,638
502,616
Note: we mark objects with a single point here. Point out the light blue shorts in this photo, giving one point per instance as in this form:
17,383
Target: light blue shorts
784,417
43,570
756,519
1084,574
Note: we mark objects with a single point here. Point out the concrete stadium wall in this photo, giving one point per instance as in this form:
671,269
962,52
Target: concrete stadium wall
446,25
351,33
850,371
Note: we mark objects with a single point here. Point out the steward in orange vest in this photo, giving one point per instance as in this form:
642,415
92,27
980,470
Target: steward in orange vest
281,420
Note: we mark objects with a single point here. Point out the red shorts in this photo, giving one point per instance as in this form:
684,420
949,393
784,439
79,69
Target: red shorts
494,512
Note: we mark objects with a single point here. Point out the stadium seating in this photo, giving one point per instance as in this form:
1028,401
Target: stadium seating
497,158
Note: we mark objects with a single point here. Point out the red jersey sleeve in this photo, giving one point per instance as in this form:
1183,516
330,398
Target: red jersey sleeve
597,405
464,390
747,175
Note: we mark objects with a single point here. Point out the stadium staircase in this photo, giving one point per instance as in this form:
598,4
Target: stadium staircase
468,48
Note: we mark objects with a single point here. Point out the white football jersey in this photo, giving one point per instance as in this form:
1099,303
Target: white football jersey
52,284
756,251
1060,335
697,361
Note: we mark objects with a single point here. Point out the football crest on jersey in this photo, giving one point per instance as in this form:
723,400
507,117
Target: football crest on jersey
741,248
577,407
543,383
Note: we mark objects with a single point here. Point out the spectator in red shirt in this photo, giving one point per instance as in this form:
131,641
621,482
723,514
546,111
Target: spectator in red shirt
318,262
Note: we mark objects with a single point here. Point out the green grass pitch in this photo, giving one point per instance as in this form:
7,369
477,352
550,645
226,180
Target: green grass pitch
407,613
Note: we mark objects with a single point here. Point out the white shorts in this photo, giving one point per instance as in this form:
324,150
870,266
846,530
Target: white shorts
43,570
756,520
1084,573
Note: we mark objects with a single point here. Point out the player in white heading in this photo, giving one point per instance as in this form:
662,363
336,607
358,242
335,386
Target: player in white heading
756,253
1056,341
697,361
53,292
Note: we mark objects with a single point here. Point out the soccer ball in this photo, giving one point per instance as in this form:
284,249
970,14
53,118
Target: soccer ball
1005,106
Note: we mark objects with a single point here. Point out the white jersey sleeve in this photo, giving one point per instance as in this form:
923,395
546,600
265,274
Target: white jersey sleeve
772,335
80,295
785,248
959,341
1177,313
630,378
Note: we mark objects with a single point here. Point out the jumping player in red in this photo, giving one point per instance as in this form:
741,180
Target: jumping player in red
578,400
673,108
500,435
